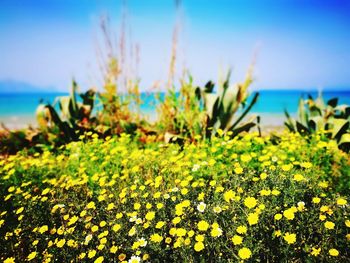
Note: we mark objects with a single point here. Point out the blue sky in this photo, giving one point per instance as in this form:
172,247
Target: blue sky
301,44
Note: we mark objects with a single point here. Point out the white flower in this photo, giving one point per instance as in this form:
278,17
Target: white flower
132,219
195,167
134,259
217,209
201,207
142,242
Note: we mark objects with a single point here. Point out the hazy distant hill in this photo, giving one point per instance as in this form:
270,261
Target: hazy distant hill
12,86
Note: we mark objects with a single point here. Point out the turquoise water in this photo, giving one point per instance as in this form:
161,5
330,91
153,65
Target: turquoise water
271,102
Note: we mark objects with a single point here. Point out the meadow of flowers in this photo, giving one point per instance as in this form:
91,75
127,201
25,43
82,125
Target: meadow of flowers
251,198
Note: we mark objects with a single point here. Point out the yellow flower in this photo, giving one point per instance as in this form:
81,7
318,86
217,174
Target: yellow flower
198,246
323,184
347,223
316,200
73,220
94,228
181,232
116,227
45,191
322,217
237,240
121,257
82,213
333,252
298,177
99,260
290,238
245,157
9,260
265,192
253,218
289,214
263,176
91,205
238,170
202,225
244,253
199,238
19,210
324,208
315,251
329,225
275,192
43,229
113,249
160,224
216,232
61,243
109,207
190,233
156,238
341,201
31,256
132,231
229,195
250,202
176,220
241,229
137,206
119,215
150,215
91,253
278,216
277,233
306,165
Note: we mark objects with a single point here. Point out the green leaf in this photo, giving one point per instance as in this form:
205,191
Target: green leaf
344,142
244,128
333,102
339,127
251,104
302,129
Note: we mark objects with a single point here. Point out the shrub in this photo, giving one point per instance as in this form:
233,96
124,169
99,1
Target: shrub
225,200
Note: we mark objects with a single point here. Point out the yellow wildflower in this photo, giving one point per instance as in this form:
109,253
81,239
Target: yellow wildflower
333,252
244,253
250,202
290,238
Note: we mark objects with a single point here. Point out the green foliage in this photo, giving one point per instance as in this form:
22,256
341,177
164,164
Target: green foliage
74,118
222,106
316,116
196,112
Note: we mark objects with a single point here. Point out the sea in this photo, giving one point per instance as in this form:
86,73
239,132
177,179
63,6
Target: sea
17,110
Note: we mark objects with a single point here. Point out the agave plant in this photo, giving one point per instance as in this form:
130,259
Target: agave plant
221,107
316,116
196,111
74,118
